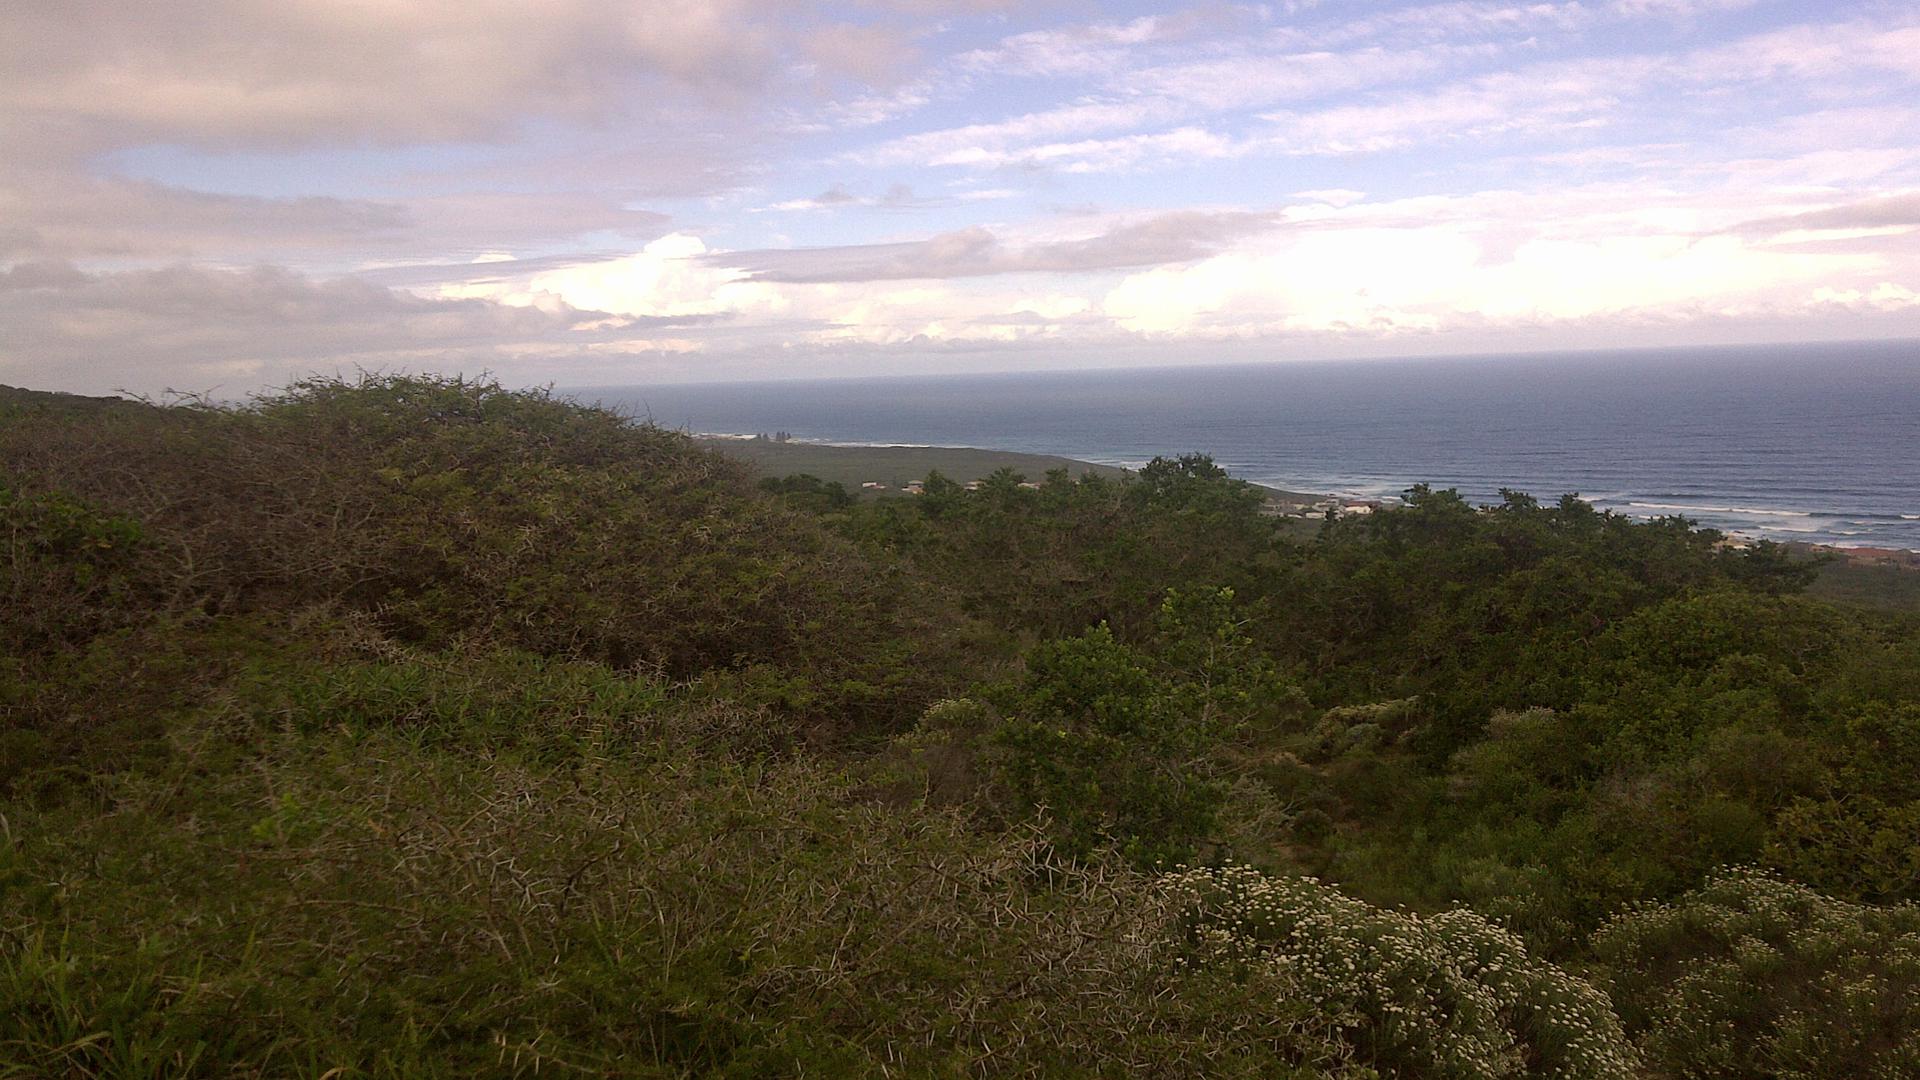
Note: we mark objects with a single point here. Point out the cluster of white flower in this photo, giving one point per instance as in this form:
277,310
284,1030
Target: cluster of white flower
1753,975
1448,995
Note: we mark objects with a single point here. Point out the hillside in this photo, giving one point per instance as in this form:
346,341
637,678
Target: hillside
423,727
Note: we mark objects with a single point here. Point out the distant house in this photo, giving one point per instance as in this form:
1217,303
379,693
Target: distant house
873,485
1866,556
976,485
1030,485
915,487
1357,508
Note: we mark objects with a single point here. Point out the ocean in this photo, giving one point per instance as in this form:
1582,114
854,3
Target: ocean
1819,443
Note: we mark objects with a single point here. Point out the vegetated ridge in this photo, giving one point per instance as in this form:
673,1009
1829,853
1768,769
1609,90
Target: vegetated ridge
421,727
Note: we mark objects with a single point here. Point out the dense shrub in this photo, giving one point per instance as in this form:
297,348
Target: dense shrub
1752,976
68,572
1075,553
1448,995
459,513
1121,746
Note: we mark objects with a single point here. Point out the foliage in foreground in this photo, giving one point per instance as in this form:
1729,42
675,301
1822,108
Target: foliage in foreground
1753,977
1448,995
396,869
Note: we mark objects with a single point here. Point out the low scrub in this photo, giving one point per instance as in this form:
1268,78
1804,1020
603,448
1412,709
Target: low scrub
355,902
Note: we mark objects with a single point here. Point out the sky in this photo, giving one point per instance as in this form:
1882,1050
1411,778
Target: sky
220,196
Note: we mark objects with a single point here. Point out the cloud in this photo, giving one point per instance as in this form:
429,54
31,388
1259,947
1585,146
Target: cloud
1171,111
1423,267
1266,78
1188,145
1886,212
1681,8
669,278
837,195
42,275
1885,296
89,216
229,72
976,252
899,196
1335,197
192,327
677,92
1533,100
1459,19
973,143
1853,51
1148,97
1098,49
80,216
19,240
871,55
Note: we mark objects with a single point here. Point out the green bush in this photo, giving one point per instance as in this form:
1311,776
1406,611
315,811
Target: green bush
1121,746
1448,995
68,572
1752,976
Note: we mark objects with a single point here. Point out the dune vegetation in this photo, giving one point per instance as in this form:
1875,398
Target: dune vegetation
409,726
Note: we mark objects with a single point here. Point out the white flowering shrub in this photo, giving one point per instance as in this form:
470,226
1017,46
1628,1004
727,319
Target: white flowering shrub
1448,995
1751,976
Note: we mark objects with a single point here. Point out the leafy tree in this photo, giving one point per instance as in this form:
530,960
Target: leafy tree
1118,745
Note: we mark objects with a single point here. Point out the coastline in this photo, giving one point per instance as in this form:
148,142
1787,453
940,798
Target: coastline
894,465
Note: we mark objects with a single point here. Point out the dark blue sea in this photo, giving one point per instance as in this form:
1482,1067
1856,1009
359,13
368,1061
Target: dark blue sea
1806,442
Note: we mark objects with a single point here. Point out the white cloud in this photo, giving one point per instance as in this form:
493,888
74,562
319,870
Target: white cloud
1337,198
975,143
1395,269
1886,296
975,252
667,278
1543,98
1098,49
